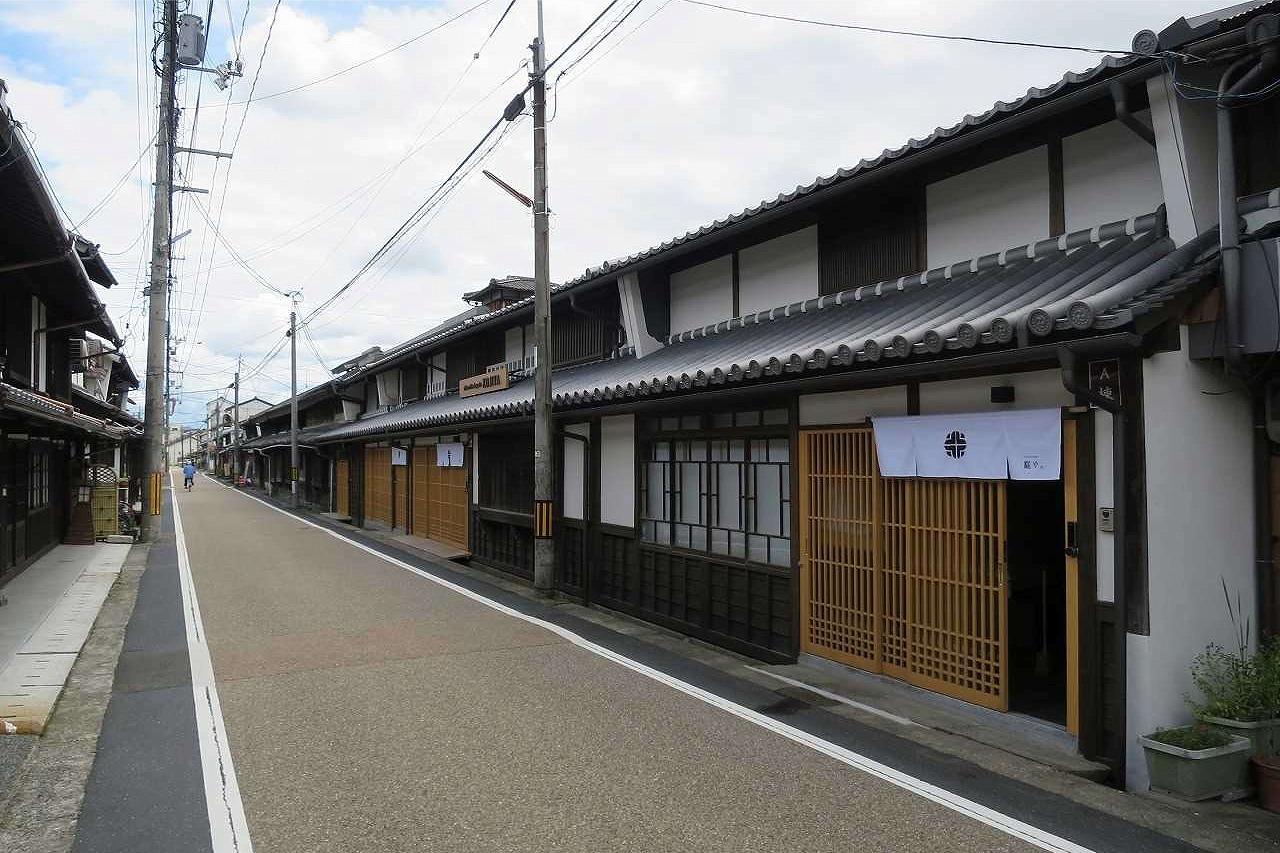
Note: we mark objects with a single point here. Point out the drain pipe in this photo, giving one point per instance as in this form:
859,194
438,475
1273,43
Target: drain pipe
1230,90
1120,95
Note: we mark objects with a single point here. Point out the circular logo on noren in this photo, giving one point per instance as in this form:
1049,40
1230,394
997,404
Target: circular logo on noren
955,444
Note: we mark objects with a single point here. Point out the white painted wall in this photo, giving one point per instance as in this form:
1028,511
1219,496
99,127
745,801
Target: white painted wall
633,317
1035,390
514,344
1199,532
574,470
778,271
1104,496
618,470
475,468
702,295
1187,146
1109,173
993,207
846,407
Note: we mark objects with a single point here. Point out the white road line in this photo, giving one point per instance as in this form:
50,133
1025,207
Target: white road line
228,828
870,709
983,814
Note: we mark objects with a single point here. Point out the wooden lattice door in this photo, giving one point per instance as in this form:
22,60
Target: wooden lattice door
342,478
840,543
377,484
904,576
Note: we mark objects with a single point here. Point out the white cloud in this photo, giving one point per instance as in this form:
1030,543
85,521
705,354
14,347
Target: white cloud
699,114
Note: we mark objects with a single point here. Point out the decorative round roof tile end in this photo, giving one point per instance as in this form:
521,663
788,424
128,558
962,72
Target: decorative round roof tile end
901,347
967,336
933,341
1040,323
1001,330
871,349
1080,315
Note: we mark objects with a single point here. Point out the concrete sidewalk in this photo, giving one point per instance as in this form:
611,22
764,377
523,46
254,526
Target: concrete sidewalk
52,607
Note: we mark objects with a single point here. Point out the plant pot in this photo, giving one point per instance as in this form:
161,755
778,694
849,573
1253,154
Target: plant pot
1263,734
1268,772
1199,774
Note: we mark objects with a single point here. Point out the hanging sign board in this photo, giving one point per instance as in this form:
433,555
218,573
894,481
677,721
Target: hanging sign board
1104,378
399,456
493,380
449,455
1019,444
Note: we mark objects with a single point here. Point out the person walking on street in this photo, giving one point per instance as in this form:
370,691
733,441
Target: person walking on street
188,475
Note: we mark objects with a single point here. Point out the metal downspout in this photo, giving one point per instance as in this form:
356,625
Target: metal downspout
1120,95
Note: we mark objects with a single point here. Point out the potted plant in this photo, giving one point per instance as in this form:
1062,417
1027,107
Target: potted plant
1241,694
1197,762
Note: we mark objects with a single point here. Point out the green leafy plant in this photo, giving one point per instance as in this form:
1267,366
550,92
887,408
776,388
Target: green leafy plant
1198,736
1237,685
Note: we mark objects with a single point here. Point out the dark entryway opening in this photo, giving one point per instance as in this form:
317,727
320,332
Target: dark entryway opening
1037,601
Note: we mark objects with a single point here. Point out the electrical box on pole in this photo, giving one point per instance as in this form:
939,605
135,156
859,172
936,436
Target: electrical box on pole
190,40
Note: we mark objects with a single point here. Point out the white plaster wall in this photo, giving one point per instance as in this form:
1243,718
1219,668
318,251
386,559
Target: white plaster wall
574,470
702,295
1035,390
633,317
1187,146
846,407
618,470
1199,532
475,468
1109,173
778,271
993,207
514,344
1104,496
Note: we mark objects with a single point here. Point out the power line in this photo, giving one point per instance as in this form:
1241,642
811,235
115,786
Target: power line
362,62
912,34
97,208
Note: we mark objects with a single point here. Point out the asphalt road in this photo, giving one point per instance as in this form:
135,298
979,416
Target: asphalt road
370,709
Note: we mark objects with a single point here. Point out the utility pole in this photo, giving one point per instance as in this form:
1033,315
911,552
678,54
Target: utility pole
293,400
544,487
235,427
157,404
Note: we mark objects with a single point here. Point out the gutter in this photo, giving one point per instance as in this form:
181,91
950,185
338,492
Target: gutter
1230,89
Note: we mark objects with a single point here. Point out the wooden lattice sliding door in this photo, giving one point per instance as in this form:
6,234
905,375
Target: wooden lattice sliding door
904,576
440,499
377,484
840,579
342,479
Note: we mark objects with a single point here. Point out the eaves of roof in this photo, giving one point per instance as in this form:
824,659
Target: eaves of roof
1071,83
1082,284
32,404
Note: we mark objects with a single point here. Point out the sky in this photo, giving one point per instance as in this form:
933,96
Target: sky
683,115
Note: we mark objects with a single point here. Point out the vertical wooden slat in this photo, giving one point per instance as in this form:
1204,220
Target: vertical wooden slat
1071,505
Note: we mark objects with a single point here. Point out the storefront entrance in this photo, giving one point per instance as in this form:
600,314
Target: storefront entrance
377,478
440,498
955,585
342,479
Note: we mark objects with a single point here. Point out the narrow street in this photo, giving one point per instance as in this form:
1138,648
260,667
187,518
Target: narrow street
370,708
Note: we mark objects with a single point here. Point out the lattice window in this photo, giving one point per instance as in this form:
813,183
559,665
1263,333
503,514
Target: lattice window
728,493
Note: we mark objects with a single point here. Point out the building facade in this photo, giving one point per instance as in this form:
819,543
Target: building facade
63,383
971,414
